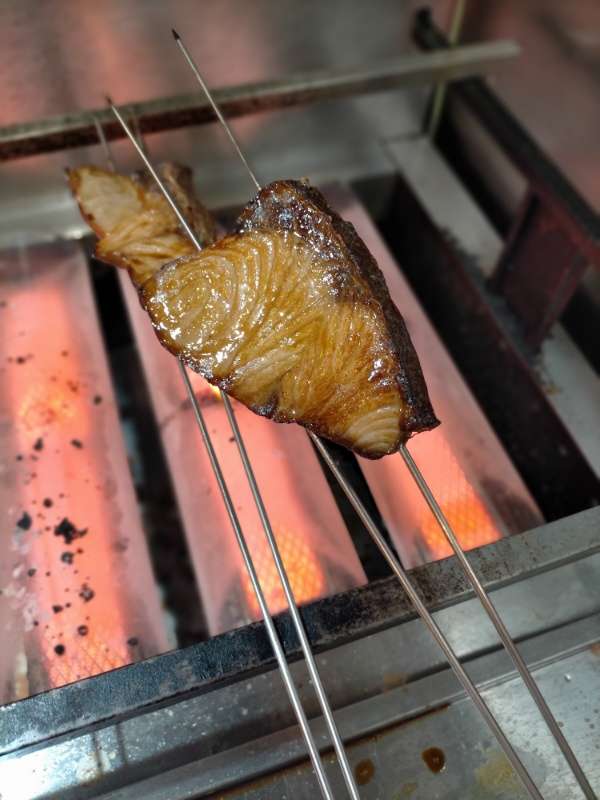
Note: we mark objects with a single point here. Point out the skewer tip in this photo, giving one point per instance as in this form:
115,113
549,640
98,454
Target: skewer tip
109,101
176,36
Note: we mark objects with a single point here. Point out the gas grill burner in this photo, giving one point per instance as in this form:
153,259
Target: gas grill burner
369,550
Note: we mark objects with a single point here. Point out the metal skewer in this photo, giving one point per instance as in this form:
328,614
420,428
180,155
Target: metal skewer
262,511
214,105
488,606
216,467
501,628
103,141
294,612
280,567
429,621
372,528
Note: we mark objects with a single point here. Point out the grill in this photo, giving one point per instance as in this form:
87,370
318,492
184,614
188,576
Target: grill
120,549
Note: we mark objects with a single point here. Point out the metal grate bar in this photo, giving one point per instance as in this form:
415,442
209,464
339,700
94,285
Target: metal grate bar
77,130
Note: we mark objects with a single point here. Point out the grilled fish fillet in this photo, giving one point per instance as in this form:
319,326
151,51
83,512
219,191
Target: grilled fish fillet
291,316
136,227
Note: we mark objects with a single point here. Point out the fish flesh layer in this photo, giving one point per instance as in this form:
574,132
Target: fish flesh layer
135,226
291,315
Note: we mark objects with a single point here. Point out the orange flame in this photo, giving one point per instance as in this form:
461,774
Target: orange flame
304,571
68,500
54,405
457,496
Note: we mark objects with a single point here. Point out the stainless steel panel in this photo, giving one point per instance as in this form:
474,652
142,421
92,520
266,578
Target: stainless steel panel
393,696
60,56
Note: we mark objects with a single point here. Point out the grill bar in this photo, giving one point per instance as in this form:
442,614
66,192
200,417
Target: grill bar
516,567
77,129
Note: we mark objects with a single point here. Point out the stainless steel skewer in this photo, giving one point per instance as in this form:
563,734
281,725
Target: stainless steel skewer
216,467
311,664
429,621
294,612
103,141
501,628
490,609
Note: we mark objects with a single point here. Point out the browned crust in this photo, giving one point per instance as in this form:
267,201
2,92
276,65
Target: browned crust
289,205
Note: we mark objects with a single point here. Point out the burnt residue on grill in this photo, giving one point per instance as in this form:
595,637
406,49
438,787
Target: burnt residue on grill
364,771
435,759
24,522
69,531
86,593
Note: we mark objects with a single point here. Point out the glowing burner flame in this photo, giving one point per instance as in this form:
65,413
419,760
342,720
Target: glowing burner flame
462,461
461,506
68,496
306,575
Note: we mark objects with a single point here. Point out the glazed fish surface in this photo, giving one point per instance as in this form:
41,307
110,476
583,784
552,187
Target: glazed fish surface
135,226
291,315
